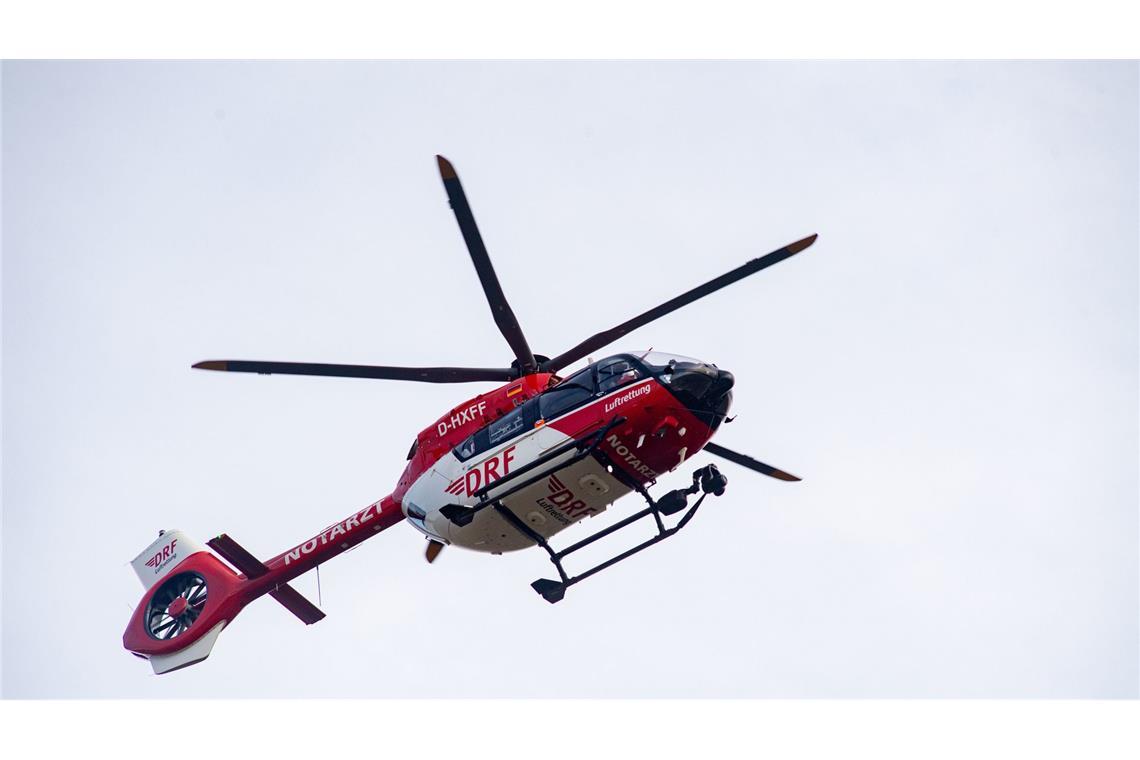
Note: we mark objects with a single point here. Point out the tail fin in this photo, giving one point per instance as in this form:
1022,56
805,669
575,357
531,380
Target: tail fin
163,555
191,596
189,600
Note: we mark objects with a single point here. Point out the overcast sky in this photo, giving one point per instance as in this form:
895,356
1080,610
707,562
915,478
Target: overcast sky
952,368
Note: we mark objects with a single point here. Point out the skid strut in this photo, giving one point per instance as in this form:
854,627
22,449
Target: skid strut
707,479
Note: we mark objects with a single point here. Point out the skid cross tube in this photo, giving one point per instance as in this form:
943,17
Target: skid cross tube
554,591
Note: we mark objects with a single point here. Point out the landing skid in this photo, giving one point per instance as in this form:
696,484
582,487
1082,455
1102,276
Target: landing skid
707,479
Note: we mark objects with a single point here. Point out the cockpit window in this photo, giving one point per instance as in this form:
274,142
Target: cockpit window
571,392
412,450
659,360
579,388
615,372
584,377
663,365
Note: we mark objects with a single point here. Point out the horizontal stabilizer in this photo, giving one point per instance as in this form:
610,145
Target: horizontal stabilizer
236,555
292,600
289,597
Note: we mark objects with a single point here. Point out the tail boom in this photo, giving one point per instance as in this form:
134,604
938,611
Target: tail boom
193,595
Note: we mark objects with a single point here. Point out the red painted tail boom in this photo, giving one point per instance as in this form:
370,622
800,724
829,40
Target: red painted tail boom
192,595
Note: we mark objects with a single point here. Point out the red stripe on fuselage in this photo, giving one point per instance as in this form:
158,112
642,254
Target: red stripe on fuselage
633,445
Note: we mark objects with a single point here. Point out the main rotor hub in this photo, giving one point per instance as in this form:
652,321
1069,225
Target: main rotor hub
538,358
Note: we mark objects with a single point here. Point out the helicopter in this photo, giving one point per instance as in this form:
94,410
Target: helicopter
506,470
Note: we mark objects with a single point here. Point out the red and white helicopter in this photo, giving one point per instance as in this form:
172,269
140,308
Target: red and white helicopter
505,470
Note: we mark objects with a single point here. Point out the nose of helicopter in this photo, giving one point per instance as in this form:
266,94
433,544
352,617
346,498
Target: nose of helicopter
704,388
724,381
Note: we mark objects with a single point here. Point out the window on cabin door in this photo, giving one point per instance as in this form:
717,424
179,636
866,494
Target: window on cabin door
511,425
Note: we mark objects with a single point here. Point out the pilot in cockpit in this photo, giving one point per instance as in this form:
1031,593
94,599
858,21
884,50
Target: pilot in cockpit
467,448
615,375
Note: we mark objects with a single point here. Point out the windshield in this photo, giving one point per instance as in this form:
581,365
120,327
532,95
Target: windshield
659,360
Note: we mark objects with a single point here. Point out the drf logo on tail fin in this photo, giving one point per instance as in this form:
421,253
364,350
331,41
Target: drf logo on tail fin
162,557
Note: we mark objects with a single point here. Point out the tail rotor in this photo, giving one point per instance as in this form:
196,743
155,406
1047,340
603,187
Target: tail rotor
176,605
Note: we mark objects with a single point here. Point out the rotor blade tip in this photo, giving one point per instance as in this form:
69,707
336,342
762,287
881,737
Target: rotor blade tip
446,170
221,366
799,245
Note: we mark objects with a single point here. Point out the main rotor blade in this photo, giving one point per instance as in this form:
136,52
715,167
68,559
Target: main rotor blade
500,309
602,339
416,374
746,461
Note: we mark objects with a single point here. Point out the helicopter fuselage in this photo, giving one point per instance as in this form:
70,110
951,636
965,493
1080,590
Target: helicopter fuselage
644,416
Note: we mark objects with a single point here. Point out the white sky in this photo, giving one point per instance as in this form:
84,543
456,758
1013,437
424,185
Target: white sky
952,368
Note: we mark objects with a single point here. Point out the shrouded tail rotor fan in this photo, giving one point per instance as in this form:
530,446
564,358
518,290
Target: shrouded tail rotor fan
176,605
